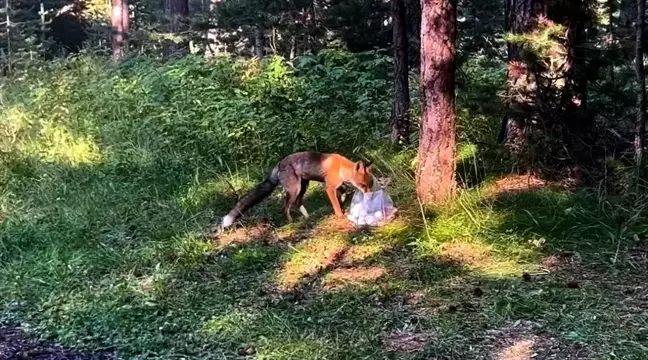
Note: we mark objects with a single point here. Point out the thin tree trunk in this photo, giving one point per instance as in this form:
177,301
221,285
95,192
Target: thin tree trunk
435,174
177,14
259,43
611,10
213,45
125,18
8,24
640,134
575,95
117,29
400,116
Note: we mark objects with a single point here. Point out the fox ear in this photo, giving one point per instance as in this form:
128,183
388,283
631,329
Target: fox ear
368,167
359,166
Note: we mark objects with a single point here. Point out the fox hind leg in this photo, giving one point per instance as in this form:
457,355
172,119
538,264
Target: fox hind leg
291,183
300,198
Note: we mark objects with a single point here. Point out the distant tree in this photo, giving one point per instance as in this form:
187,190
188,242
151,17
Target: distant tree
400,113
120,25
435,174
640,134
547,95
176,13
519,15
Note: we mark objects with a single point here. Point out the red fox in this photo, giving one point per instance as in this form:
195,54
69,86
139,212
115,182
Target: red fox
294,173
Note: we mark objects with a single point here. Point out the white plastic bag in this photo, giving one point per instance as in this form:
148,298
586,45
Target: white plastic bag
373,208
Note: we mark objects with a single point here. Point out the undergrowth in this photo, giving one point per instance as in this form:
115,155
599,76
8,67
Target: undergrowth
112,177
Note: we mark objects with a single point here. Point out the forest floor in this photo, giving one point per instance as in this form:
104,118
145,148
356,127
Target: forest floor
512,269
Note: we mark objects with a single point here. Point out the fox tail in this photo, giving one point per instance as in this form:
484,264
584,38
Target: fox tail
253,197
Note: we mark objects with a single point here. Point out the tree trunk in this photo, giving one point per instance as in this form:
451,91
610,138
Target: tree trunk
578,130
177,17
213,44
117,16
518,17
435,173
400,114
125,18
612,7
641,84
628,13
259,43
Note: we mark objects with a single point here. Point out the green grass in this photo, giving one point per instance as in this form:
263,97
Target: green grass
110,179
94,257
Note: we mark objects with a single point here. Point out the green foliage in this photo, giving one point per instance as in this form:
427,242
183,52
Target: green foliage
226,111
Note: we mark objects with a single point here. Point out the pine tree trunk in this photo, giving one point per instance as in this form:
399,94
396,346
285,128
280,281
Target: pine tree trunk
177,17
640,134
518,17
435,174
118,11
400,115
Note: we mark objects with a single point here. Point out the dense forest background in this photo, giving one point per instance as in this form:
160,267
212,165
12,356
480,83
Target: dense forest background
555,80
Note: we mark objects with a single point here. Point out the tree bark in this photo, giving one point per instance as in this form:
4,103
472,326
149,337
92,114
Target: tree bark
640,134
400,115
518,17
435,174
119,10
259,42
177,17
125,18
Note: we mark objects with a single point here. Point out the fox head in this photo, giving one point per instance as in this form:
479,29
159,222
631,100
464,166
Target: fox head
361,177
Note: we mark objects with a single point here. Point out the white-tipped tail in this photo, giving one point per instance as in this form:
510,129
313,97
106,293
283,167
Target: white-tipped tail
227,221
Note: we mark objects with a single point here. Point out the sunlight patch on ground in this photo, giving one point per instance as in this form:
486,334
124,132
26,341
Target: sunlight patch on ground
353,276
479,257
325,247
520,350
526,340
358,253
513,183
201,193
256,233
59,145
309,258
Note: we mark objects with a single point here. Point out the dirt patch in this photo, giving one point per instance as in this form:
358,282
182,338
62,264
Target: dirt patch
14,345
468,254
405,342
513,183
257,233
526,340
348,276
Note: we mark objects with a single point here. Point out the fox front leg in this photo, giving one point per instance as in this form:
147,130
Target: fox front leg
332,195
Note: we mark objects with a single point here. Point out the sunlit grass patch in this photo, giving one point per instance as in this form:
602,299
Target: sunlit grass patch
349,276
309,258
58,144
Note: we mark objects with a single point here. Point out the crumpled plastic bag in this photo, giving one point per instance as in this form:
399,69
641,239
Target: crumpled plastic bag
373,208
